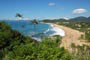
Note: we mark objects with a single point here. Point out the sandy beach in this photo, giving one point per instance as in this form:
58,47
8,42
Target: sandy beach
71,36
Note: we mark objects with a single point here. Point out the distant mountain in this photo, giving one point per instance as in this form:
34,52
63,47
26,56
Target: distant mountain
89,18
76,19
81,18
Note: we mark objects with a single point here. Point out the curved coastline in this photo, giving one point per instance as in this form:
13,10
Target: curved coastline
51,31
56,30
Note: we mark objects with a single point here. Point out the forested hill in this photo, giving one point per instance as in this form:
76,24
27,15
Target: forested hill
76,19
81,18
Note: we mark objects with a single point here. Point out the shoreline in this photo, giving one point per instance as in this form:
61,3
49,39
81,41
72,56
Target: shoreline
52,31
71,36
57,30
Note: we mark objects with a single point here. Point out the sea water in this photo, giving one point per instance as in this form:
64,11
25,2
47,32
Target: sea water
36,31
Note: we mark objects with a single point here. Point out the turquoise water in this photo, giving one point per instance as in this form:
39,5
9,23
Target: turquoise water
27,28
36,31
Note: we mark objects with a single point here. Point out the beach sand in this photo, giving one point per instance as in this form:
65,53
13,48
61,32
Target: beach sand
71,36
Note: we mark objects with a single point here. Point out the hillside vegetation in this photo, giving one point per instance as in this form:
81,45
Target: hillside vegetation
81,52
15,46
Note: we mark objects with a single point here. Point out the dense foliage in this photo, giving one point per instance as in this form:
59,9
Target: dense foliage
46,50
10,38
15,46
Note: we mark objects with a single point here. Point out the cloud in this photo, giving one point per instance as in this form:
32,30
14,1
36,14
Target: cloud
51,4
79,11
66,18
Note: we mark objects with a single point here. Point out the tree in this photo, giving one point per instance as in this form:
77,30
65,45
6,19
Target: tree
9,39
45,50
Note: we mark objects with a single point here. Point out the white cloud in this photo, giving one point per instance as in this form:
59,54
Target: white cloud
66,18
79,11
51,4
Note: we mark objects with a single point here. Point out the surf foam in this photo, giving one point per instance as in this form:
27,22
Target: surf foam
55,31
52,31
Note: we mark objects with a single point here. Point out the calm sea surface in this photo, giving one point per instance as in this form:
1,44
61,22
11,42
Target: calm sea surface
27,28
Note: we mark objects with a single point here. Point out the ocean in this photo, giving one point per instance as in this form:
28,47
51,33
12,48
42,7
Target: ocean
36,31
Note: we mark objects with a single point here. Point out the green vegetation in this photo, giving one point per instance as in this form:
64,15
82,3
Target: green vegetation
81,52
15,46
10,38
80,24
46,50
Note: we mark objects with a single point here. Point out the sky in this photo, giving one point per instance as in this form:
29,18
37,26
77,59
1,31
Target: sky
44,9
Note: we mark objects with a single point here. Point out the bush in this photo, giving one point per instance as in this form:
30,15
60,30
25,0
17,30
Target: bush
46,50
9,39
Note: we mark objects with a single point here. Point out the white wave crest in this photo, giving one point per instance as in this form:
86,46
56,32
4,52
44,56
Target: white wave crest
55,31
